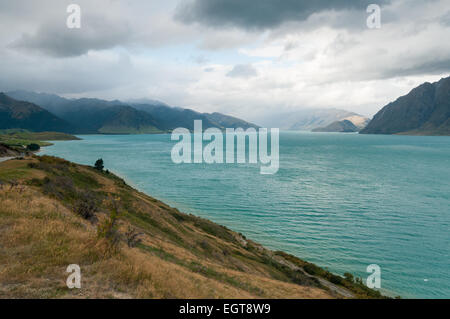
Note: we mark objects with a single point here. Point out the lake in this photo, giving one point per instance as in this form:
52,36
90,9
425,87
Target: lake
342,201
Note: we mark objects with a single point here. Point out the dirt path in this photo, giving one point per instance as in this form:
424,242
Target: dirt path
341,291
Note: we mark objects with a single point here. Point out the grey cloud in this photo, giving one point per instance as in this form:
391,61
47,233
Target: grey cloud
242,71
56,40
306,29
425,67
261,14
445,19
82,74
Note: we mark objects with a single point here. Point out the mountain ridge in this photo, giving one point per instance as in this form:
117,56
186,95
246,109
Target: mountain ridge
26,115
91,116
425,110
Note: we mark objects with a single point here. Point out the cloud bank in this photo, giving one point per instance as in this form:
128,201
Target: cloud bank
261,14
251,59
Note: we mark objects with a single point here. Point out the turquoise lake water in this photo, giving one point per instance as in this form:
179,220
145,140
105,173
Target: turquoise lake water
342,201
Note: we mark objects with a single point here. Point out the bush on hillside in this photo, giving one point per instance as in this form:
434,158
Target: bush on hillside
86,205
99,164
108,229
132,237
33,147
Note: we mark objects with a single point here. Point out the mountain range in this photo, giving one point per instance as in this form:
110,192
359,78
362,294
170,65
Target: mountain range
423,111
93,116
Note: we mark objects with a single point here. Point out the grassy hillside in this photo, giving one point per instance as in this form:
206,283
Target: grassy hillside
38,136
18,139
7,151
129,245
227,121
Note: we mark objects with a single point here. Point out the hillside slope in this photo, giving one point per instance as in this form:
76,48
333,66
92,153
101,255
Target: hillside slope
7,151
227,121
14,142
170,118
350,124
19,114
54,213
344,126
423,111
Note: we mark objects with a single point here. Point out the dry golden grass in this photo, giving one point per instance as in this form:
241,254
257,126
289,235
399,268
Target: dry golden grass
179,257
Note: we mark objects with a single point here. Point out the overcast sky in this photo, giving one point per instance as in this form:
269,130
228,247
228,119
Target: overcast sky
242,57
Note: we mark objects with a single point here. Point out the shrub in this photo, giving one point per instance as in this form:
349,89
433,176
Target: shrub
108,229
313,270
335,279
205,246
33,147
179,216
13,183
132,236
86,205
99,164
61,187
36,182
349,277
53,160
50,167
214,229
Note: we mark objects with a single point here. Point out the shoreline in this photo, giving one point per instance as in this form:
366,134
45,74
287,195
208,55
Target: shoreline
330,285
327,283
163,228
125,178
336,288
385,293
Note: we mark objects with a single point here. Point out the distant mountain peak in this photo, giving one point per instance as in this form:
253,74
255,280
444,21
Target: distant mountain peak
353,123
307,119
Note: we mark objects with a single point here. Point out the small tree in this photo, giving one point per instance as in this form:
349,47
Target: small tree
33,147
99,164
